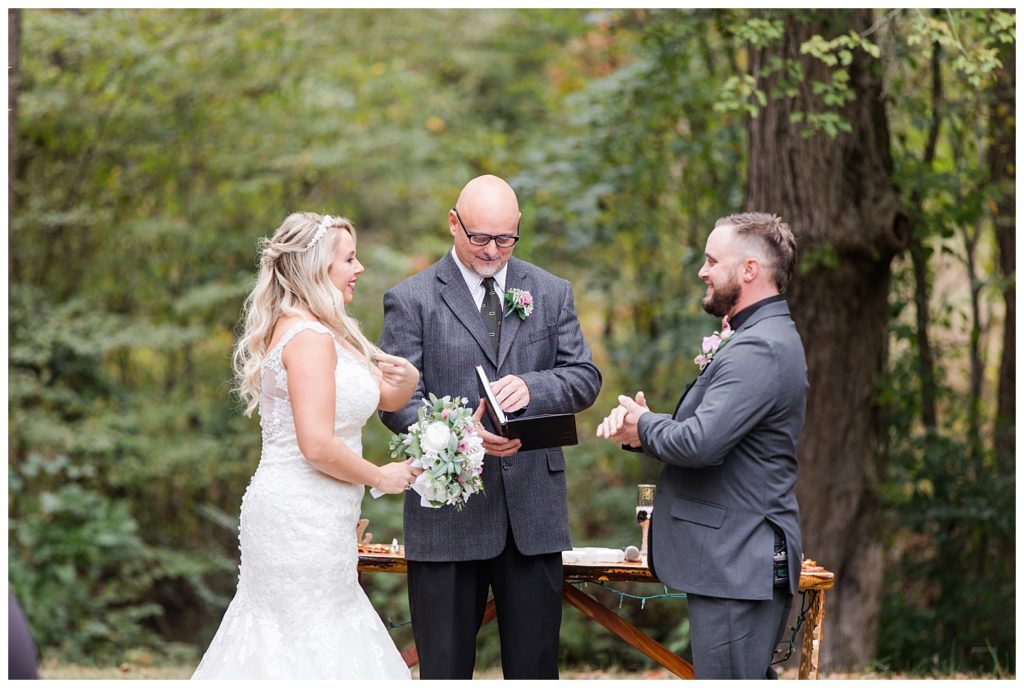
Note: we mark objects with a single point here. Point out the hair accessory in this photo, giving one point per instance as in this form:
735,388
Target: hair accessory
325,222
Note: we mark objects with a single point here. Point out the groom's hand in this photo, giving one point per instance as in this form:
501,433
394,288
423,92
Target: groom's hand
621,424
495,445
511,392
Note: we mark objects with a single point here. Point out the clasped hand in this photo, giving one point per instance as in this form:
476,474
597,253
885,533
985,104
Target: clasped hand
621,424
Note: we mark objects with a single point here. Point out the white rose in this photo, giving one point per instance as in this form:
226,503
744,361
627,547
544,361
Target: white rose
435,437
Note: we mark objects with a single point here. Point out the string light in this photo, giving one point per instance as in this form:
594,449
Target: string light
392,625
642,598
805,606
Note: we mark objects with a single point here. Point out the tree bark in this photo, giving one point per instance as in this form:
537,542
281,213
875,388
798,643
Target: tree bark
837,195
13,82
1001,156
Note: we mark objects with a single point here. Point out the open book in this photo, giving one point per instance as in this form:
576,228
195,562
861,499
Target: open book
535,432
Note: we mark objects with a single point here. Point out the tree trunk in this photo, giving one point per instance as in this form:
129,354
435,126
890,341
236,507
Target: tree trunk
1001,155
837,195
13,79
919,255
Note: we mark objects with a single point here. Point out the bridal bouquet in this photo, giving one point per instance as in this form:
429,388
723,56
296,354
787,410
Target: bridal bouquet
445,444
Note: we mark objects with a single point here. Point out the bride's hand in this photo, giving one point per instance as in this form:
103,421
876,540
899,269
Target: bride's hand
396,477
397,371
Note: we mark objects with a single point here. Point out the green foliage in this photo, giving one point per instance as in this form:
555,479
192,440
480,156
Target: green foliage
81,559
950,583
77,564
759,32
632,189
154,147
972,38
950,504
740,94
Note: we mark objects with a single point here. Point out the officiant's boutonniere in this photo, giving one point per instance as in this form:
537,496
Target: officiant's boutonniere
520,302
711,344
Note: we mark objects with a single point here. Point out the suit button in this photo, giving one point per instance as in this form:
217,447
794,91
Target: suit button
506,465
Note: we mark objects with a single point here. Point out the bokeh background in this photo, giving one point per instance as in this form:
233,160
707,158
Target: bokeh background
150,149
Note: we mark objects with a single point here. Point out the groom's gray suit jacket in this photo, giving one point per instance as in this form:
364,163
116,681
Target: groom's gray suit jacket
730,464
431,320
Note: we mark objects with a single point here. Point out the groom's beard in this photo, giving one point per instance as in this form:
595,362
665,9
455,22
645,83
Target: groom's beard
723,299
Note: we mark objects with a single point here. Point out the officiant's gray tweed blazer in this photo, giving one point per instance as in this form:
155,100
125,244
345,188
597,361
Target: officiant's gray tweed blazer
431,319
730,465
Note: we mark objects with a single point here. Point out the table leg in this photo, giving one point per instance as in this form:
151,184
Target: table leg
412,656
812,635
628,632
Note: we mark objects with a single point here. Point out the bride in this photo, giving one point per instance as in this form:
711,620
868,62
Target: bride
299,611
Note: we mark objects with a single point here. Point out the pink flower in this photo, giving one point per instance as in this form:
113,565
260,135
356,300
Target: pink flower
520,302
445,413
710,345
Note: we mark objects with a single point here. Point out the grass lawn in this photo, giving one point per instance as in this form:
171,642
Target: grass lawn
136,671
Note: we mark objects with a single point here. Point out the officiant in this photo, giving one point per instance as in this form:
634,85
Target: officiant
480,306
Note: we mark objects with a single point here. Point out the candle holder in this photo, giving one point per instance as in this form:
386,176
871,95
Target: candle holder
644,510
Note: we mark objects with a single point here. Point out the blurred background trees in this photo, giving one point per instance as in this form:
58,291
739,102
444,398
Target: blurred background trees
150,149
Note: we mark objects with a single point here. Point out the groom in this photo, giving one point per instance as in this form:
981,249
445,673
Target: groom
447,320
726,525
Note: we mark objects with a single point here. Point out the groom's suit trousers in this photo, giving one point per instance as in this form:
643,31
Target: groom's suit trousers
736,639
447,602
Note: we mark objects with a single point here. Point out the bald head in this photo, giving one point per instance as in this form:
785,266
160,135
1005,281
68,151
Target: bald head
486,206
489,198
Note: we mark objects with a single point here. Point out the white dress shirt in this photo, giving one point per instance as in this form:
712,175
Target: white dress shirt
475,282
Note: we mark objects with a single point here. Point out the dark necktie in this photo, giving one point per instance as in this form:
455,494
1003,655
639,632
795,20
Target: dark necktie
490,311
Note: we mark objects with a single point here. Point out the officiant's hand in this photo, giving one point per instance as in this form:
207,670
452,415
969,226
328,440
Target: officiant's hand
621,424
511,392
495,445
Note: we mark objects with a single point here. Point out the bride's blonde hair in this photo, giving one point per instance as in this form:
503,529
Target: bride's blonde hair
293,274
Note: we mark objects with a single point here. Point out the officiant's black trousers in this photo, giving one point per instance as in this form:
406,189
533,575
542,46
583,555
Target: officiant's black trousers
447,601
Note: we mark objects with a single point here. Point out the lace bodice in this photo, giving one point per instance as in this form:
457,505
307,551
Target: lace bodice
356,397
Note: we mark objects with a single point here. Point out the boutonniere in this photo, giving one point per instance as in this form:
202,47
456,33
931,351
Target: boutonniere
520,302
711,344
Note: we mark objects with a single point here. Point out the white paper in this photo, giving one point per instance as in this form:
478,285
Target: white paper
491,401
593,555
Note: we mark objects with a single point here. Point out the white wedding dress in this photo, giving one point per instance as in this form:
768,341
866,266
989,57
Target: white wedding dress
299,611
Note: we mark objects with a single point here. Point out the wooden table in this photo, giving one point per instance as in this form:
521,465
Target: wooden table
812,580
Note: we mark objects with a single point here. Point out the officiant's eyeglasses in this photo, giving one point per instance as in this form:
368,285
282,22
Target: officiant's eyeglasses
501,241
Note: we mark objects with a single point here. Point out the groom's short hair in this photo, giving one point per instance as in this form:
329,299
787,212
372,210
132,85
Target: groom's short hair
774,236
